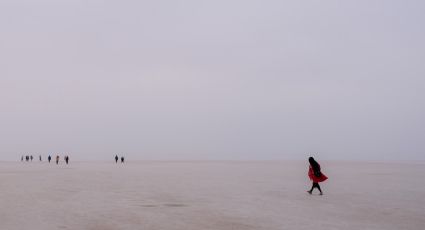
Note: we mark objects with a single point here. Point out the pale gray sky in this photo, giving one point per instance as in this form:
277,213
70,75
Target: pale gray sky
213,79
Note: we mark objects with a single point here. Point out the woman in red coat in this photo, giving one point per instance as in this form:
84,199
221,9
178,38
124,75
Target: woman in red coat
315,175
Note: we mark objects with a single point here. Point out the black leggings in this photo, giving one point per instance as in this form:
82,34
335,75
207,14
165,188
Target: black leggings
315,185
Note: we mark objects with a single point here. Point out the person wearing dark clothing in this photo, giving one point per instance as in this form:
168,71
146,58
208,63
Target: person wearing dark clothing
49,158
22,158
122,159
40,158
315,174
66,159
31,157
27,158
116,158
57,159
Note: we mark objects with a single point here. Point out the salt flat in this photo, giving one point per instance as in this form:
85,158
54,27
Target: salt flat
210,195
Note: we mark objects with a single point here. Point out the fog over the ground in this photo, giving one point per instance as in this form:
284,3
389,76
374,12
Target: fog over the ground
217,79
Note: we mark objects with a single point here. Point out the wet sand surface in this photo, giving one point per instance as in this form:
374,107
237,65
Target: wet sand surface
210,195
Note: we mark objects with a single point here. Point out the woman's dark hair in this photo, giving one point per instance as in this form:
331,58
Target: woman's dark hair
314,164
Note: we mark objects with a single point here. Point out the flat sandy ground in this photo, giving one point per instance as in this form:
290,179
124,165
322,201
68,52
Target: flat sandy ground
210,195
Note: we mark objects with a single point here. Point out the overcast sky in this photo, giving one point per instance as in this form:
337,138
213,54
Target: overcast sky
213,79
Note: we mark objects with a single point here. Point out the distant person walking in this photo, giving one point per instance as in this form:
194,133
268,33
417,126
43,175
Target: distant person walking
27,158
57,159
49,158
122,159
316,175
22,158
31,157
116,159
40,158
66,159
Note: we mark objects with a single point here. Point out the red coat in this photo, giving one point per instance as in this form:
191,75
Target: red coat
315,178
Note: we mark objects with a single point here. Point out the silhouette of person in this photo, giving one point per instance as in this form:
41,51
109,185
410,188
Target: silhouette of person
57,159
22,158
116,158
49,158
315,174
31,157
122,159
40,157
66,159
27,158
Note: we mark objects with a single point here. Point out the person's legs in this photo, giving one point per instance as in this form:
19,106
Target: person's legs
320,190
315,185
312,187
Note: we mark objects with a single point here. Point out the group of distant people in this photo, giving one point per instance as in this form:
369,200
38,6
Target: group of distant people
117,158
49,158
28,158
66,158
